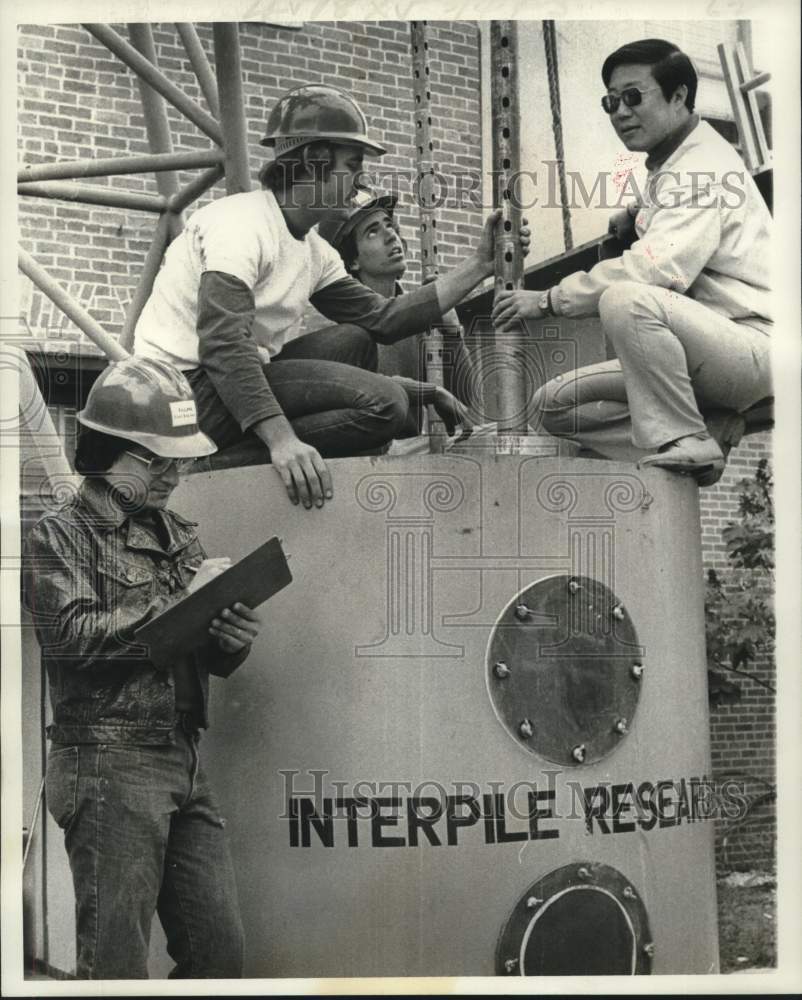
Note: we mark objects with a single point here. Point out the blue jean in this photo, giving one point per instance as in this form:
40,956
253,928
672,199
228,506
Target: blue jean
144,835
327,385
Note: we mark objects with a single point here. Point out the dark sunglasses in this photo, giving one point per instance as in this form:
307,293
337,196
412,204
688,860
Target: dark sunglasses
631,97
158,465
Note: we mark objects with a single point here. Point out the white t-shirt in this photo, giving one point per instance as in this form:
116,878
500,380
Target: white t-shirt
244,235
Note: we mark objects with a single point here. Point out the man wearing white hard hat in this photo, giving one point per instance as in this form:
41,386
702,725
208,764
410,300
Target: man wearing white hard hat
124,779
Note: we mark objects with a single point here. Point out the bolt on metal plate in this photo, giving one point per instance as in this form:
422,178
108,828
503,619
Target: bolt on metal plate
562,662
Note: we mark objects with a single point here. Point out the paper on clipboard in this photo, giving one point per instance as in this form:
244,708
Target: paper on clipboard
184,626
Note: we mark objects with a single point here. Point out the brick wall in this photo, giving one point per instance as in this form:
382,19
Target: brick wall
76,100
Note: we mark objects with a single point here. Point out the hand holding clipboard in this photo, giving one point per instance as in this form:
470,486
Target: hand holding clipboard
217,588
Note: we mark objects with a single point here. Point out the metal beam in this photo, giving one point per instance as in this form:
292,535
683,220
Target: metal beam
195,189
200,64
232,106
94,195
505,113
113,165
157,125
151,74
153,259
70,307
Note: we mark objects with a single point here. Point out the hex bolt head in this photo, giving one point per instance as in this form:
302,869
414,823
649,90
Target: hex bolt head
620,726
501,670
578,753
510,965
526,729
637,671
618,612
522,612
573,586
629,892
648,949
533,902
583,873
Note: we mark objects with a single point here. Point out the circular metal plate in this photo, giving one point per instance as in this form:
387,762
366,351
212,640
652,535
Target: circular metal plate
564,669
583,919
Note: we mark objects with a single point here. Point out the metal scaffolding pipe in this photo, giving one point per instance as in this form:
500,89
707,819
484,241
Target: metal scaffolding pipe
232,106
195,189
200,64
113,165
72,309
505,116
150,268
144,68
157,125
94,195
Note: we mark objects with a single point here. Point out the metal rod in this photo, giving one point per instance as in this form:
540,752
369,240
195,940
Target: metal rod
113,165
200,64
755,82
72,309
143,67
427,197
505,113
157,125
232,106
94,195
150,268
195,189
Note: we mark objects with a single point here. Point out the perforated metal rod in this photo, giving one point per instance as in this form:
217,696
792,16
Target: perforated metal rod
72,309
505,116
427,197
200,64
232,106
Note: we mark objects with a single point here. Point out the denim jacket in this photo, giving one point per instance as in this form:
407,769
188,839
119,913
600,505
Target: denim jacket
93,573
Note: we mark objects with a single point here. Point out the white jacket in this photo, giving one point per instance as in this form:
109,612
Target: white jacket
703,230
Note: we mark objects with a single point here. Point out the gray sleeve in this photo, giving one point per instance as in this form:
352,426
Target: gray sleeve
388,320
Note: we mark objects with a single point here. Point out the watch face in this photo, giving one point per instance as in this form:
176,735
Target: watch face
543,302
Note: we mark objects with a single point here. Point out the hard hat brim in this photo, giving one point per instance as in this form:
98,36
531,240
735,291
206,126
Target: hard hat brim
195,445
339,139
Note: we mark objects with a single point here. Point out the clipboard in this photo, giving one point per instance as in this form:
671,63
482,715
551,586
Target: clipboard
184,626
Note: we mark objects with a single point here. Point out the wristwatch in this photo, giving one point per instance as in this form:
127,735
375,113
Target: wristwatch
544,303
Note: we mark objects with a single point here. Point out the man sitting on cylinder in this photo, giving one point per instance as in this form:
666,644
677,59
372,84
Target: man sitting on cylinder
687,308
373,250
227,306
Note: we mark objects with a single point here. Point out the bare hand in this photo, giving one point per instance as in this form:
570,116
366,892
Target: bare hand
208,570
301,468
451,411
235,628
486,249
621,224
512,306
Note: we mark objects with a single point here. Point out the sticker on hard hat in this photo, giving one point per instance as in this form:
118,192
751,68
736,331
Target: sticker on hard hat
183,412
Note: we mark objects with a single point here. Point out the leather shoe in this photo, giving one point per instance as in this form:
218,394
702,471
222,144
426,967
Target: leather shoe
697,454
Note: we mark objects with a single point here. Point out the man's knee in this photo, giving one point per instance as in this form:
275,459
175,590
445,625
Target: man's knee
551,413
390,409
622,299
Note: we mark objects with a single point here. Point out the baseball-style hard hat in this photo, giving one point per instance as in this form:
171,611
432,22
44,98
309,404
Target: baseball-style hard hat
336,231
317,111
149,402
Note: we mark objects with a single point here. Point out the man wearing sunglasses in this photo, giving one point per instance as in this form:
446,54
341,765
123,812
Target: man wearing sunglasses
687,308
124,779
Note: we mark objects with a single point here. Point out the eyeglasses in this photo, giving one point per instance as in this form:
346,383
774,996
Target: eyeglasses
631,97
158,465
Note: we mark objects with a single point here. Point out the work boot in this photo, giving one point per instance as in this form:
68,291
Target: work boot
697,454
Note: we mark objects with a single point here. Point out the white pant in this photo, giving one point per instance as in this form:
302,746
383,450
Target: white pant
674,356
